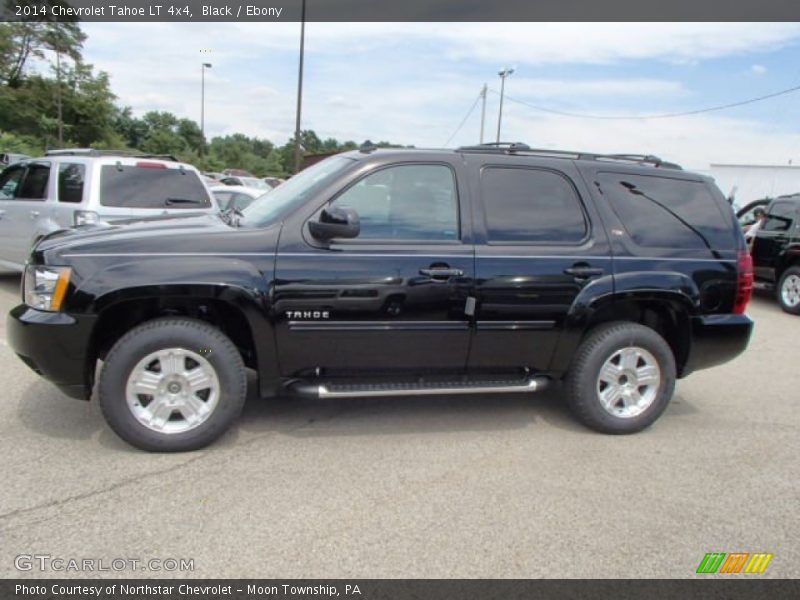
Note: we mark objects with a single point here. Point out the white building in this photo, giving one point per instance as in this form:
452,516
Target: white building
752,182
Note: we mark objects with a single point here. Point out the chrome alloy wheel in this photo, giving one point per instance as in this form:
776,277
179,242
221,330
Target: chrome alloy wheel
628,382
790,290
172,390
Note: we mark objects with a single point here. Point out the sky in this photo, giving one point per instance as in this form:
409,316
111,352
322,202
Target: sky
414,83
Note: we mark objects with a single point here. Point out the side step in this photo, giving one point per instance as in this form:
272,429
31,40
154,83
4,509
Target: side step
331,389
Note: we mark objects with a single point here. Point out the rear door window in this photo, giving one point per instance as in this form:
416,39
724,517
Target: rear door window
131,186
531,206
34,185
70,182
779,217
663,212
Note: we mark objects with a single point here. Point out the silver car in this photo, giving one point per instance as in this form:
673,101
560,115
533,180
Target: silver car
66,188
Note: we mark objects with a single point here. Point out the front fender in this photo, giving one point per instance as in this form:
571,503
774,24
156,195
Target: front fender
241,284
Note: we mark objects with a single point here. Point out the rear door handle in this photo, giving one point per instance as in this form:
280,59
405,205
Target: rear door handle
34,214
2,212
441,272
583,271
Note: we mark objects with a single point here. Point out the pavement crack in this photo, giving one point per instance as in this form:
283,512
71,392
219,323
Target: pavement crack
86,495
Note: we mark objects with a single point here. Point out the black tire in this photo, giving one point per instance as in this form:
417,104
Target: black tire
603,343
790,275
160,334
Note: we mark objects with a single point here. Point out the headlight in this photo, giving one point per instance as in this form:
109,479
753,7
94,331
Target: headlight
46,287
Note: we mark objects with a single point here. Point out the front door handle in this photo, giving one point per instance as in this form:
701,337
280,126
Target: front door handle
2,212
441,272
34,214
583,271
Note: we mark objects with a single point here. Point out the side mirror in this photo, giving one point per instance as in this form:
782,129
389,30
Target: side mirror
335,222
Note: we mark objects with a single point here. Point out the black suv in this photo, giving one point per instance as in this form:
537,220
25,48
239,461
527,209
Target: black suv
488,269
776,252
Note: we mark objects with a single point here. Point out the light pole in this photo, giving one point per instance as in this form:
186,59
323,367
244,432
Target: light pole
298,152
203,68
503,74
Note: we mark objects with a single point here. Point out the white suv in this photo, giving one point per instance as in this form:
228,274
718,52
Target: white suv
66,188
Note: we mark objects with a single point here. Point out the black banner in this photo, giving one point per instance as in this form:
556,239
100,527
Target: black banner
397,589
392,10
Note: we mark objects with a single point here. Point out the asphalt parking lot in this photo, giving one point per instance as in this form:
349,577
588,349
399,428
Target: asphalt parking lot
442,487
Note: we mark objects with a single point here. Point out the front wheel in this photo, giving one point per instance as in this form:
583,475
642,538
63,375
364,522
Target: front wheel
172,385
621,379
789,290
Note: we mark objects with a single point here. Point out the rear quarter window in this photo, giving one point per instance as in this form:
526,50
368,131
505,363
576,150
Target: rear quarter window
665,212
130,186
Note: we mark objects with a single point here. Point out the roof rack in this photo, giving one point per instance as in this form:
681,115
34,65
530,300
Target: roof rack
95,152
520,148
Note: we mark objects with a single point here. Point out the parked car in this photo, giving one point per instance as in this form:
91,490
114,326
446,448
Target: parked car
273,182
237,173
488,269
251,182
235,196
7,158
776,252
68,188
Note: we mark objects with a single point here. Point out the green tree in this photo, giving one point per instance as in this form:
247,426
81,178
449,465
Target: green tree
23,41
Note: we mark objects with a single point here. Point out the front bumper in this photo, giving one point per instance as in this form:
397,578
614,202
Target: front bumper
717,339
55,345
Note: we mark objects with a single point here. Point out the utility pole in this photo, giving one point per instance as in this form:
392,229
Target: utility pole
298,153
503,74
483,109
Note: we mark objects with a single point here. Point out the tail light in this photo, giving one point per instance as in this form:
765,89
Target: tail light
744,281
143,164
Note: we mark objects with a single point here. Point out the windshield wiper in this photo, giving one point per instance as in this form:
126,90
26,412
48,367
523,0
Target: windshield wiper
171,201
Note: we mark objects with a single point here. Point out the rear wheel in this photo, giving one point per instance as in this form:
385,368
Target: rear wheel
789,290
622,378
172,385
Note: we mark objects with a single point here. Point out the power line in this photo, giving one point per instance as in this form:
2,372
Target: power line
657,116
464,120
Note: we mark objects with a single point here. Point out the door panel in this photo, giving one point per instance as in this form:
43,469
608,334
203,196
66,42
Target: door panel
364,310
772,239
536,253
391,300
23,215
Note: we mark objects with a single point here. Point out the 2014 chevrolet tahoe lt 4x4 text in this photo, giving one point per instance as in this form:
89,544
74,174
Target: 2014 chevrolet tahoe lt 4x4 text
488,269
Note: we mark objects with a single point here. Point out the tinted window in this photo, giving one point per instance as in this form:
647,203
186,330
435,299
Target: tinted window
667,213
405,202
70,182
34,186
780,217
146,187
9,182
530,205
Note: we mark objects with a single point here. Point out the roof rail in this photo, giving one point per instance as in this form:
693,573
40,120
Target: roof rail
95,152
520,148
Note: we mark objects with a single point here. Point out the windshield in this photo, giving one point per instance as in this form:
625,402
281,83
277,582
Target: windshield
265,209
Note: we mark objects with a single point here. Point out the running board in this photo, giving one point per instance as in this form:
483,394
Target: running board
332,390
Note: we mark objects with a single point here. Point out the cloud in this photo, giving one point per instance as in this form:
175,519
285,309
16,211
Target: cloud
412,83
758,69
